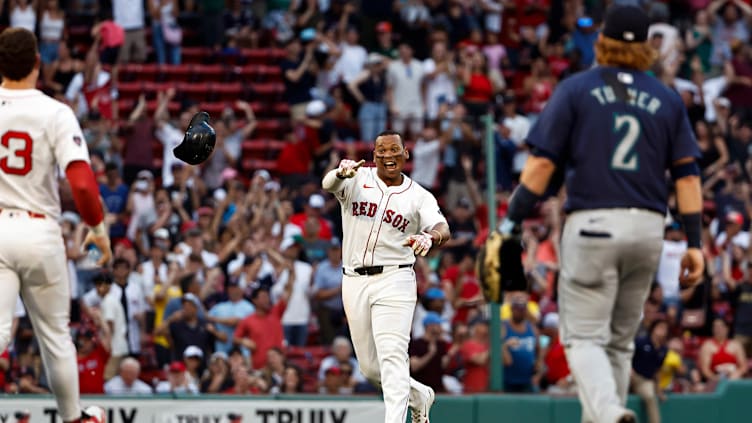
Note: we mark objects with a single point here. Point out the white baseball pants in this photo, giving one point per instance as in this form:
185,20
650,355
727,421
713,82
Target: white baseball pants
32,261
379,311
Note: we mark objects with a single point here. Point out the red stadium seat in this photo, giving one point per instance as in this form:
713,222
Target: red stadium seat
152,89
270,92
257,56
254,149
128,72
281,109
195,55
270,128
79,33
145,71
213,108
194,91
209,73
156,148
130,90
232,91
271,74
262,148
177,73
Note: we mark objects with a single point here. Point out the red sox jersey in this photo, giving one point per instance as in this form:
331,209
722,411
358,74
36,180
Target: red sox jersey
377,219
36,134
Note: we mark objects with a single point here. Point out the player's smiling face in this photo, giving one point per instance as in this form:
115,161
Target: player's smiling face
390,155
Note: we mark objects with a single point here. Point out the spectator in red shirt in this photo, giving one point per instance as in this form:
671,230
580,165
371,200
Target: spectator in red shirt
557,374
532,13
461,280
478,87
4,366
475,354
92,359
313,210
262,330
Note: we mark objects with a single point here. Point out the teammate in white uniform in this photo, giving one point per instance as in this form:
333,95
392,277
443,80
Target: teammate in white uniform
384,213
38,135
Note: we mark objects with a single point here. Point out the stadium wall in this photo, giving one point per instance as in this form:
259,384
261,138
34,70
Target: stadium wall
729,404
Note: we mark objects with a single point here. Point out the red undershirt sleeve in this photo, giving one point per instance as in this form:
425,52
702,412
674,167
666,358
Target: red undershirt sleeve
85,192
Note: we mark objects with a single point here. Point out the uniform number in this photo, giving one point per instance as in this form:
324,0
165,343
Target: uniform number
20,145
624,157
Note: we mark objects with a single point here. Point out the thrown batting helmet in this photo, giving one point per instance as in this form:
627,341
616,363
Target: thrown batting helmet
198,142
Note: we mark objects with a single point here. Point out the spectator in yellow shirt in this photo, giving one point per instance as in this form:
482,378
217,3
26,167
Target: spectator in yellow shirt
672,365
533,311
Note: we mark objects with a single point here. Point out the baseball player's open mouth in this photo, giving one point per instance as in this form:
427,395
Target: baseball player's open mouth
390,165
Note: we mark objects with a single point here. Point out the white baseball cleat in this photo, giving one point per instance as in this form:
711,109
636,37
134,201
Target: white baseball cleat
94,414
421,409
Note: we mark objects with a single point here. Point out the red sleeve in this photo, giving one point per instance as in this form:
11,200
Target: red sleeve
279,308
85,192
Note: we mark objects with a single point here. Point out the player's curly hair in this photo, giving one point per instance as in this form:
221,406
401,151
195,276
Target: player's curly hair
18,53
612,52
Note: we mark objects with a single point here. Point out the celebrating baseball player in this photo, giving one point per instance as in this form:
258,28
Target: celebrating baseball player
387,219
614,130
38,135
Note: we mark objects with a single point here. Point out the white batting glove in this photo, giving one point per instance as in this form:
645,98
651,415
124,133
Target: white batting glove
421,243
348,168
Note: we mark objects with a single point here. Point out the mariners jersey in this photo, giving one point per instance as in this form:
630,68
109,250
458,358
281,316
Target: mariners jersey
376,219
37,135
615,132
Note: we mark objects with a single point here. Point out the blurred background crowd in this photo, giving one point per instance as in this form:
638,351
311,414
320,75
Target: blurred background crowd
227,276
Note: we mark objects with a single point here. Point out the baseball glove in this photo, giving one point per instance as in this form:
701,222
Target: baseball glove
499,266
198,142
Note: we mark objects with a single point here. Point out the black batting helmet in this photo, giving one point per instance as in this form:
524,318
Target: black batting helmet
198,142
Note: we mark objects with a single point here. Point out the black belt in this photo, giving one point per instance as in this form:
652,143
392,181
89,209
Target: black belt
374,270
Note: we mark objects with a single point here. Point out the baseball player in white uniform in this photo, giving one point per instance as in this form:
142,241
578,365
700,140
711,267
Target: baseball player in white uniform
38,135
384,214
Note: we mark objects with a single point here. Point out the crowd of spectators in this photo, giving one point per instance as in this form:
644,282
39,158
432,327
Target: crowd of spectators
226,279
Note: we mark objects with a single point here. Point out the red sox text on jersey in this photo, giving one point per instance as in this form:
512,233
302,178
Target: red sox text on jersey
368,209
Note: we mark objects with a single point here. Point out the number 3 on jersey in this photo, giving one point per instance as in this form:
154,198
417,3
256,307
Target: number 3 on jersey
628,128
19,146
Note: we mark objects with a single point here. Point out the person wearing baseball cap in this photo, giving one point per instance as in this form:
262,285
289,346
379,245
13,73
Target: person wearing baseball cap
616,131
314,209
177,382
385,40
623,41
734,233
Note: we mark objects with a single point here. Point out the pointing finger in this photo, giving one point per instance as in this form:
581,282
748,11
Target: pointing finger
359,164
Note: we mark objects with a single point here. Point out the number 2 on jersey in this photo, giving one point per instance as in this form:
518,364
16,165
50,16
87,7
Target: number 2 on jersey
624,158
10,140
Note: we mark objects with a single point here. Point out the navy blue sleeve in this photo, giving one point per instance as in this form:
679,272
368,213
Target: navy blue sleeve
684,143
551,132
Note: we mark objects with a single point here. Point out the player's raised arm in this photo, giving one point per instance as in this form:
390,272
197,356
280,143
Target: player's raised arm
335,179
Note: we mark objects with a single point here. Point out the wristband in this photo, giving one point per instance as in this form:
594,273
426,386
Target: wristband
99,230
522,204
693,228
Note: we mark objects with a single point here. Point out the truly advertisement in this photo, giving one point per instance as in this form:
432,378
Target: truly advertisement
197,410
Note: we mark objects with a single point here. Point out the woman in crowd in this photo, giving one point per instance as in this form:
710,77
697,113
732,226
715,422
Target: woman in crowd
720,357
